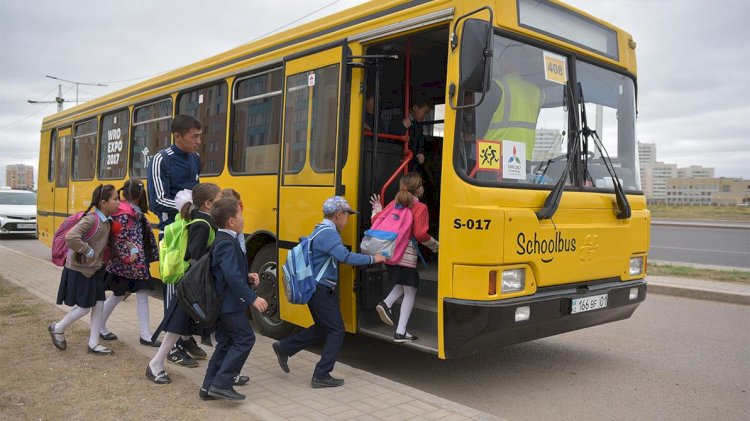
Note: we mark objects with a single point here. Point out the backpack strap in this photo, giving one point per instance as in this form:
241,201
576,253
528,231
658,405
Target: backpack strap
328,261
94,228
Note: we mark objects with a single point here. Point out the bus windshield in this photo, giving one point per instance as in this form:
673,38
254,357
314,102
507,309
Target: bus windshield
519,133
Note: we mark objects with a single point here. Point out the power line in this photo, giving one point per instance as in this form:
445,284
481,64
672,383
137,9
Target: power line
32,114
294,21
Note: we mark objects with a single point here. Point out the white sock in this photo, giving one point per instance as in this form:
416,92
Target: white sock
96,323
141,305
69,318
157,363
406,305
109,307
394,295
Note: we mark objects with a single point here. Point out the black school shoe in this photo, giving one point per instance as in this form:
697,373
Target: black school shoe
406,337
101,350
155,343
203,394
61,345
385,313
158,378
329,382
108,337
281,356
192,348
228,394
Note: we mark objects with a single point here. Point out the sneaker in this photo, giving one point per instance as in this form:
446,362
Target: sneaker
385,313
329,382
180,357
192,348
241,380
406,337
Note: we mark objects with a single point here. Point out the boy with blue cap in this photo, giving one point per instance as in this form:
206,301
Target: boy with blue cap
327,251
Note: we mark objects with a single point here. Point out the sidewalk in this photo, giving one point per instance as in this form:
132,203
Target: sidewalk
726,292
364,397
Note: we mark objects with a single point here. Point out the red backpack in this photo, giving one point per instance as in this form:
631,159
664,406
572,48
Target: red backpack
60,250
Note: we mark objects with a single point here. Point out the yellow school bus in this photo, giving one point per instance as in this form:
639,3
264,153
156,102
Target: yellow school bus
530,172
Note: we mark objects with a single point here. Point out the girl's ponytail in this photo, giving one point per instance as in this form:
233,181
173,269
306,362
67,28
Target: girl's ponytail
408,186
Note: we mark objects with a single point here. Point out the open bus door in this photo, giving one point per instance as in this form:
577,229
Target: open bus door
310,171
62,176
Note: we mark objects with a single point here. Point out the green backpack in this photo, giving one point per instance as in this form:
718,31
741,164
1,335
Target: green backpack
172,249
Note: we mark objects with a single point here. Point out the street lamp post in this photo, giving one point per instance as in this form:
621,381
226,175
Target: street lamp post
75,83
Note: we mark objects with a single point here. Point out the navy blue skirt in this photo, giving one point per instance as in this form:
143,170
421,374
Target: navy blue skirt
402,275
78,290
119,285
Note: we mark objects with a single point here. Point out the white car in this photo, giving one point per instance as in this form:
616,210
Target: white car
17,212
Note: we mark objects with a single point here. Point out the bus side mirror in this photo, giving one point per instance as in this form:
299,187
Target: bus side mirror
476,55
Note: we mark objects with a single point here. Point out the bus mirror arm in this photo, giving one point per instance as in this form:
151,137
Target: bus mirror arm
475,59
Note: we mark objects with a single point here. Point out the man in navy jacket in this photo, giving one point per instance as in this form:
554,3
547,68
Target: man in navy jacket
174,168
234,336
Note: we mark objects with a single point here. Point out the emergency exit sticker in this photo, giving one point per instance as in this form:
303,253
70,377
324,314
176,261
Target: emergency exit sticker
311,79
555,68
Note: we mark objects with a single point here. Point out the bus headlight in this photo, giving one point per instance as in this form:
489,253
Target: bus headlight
514,280
636,266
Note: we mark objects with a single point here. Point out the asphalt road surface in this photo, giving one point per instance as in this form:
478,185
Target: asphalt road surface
703,245
675,359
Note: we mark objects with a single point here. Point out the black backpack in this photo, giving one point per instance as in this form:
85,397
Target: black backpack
196,292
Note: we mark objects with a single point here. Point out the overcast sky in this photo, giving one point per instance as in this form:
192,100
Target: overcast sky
693,62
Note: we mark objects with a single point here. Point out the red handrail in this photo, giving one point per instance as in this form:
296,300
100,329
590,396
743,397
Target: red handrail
407,158
402,138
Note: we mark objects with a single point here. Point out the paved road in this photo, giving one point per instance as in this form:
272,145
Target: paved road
675,359
702,245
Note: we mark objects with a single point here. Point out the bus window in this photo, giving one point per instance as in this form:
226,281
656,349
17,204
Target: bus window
257,124
114,145
151,133
610,110
295,129
84,151
516,134
62,163
324,117
209,105
52,161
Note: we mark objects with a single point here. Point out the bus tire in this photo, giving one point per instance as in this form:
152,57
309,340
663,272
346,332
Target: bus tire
269,322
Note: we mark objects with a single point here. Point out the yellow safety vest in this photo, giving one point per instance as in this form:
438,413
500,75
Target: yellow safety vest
517,122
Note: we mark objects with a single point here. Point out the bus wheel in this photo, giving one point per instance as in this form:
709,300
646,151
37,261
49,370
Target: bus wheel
269,322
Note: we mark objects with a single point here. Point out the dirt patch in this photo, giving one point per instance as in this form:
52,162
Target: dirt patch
41,382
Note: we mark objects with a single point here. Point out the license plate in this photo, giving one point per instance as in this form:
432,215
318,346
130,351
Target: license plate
594,302
26,226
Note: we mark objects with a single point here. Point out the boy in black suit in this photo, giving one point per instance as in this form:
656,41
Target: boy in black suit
234,336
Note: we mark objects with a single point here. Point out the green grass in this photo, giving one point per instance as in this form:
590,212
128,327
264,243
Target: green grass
725,213
735,276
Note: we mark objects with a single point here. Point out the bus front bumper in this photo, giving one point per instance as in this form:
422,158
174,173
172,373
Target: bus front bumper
472,326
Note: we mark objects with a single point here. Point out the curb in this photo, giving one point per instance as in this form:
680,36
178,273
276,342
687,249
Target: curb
699,294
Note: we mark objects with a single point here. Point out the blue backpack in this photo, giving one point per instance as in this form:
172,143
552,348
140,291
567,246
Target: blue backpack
299,280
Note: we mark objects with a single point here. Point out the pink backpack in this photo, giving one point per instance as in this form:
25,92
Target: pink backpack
60,250
390,233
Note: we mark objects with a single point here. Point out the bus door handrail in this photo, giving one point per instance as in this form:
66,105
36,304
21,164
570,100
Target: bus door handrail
408,155
407,159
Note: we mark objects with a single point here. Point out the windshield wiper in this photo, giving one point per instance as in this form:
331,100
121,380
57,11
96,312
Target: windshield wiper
574,145
623,206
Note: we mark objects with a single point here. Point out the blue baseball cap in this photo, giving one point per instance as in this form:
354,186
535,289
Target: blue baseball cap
335,204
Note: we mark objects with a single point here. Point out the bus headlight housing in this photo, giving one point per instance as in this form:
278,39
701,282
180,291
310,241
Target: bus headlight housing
636,266
513,280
